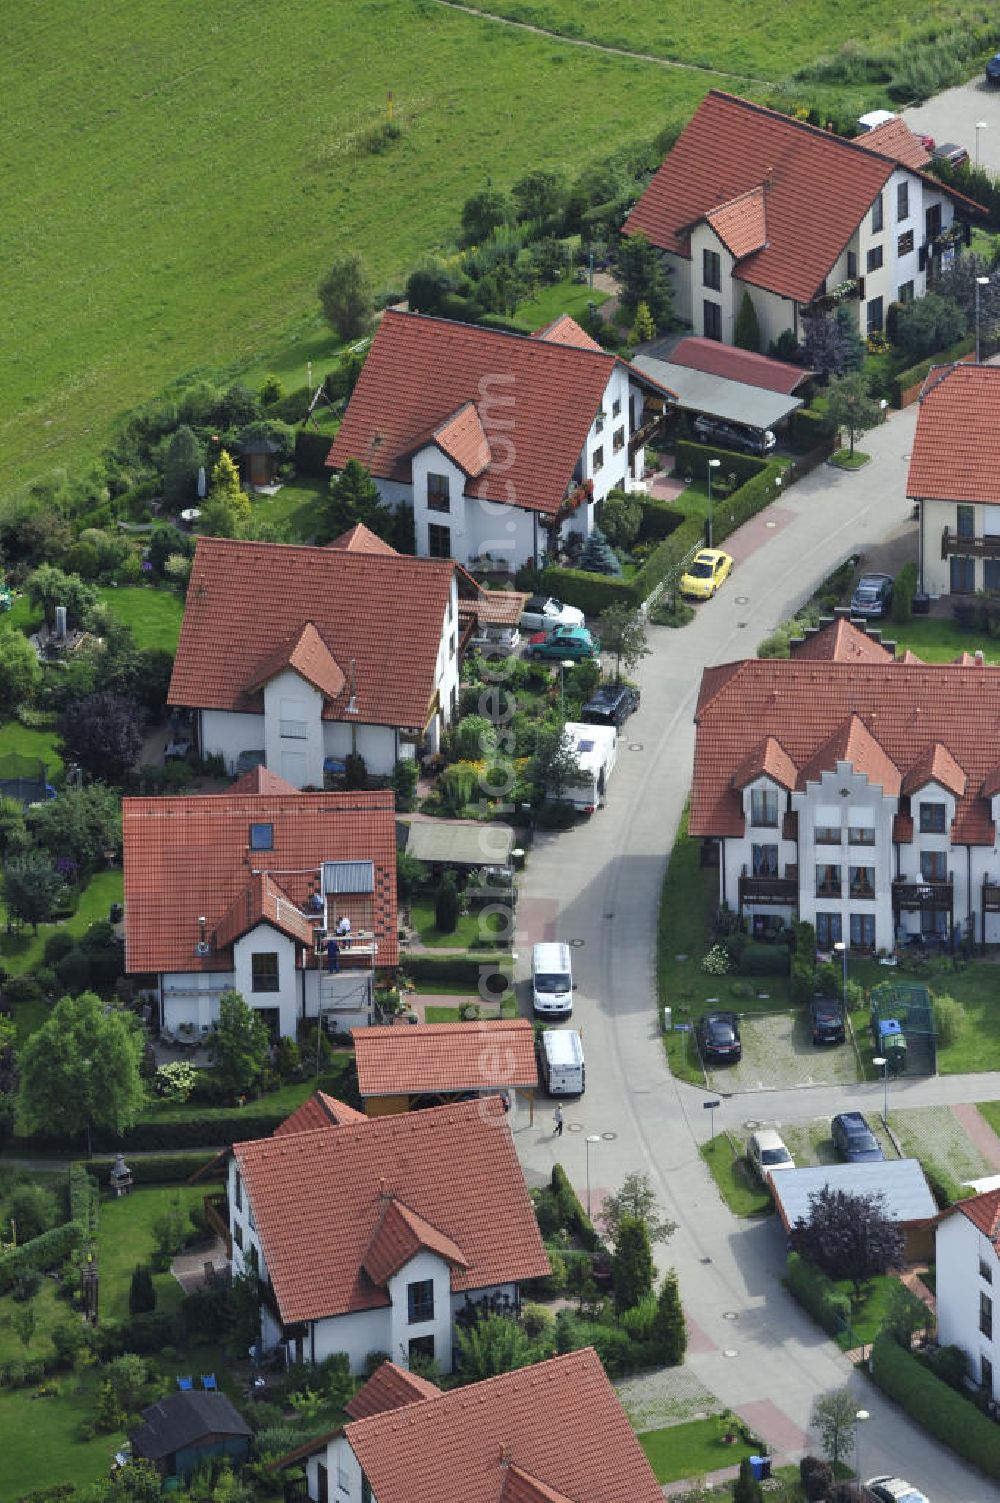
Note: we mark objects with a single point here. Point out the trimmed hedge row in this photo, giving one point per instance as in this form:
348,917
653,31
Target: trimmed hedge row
695,457
750,498
904,380
311,449
173,1168
808,428
193,1132
817,1294
454,967
594,592
41,1253
574,1216
936,1407
659,520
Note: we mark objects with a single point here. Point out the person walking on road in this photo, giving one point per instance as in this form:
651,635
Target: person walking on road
557,1119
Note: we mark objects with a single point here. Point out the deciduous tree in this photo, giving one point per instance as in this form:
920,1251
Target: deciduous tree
345,295
636,1198
485,212
554,765
492,1346
81,1069
834,1416
102,733
850,404
32,888
49,587
540,195
20,673
239,1044
82,823
622,630
849,1236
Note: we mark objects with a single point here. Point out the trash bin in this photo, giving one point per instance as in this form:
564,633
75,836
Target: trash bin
921,604
760,1468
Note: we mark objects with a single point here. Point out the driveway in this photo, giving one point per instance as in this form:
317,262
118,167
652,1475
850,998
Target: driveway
778,1052
599,883
953,115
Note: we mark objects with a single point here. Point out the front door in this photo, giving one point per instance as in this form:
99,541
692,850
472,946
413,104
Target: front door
963,575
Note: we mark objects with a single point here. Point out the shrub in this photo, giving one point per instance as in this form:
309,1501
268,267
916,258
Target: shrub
142,1292
574,1217
807,429
538,1322
640,1320
47,1251
949,1019
474,738
488,972
717,961
929,323
816,1476
903,592
817,1294
373,1361
694,457
33,1209
446,905
904,380
934,1406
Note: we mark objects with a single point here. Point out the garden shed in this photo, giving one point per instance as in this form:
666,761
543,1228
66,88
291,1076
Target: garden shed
183,1430
259,460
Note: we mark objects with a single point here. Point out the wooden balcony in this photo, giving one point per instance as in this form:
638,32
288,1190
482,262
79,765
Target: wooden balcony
850,291
923,897
991,897
756,891
216,1208
968,547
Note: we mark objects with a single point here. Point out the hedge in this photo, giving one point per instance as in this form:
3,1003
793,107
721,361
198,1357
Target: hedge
82,1195
217,1131
659,520
695,457
934,1406
807,428
817,1294
575,1218
591,593
311,449
763,960
40,1254
745,502
174,1168
903,380
455,967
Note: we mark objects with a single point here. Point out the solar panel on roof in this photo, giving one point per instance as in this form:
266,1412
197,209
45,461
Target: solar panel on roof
348,876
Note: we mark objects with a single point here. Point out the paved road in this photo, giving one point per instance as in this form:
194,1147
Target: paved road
953,116
599,884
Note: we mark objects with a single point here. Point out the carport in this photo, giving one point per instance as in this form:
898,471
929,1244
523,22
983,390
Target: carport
402,1069
442,842
908,1200
719,396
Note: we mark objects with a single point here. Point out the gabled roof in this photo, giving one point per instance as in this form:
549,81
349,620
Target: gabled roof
361,539
768,760
421,373
821,709
984,1213
190,858
842,642
320,1110
443,1057
308,655
937,765
955,454
252,608
551,1433
399,1236
463,439
894,138
184,1419
817,188
733,364
319,1198
566,330
389,1387
260,780
741,224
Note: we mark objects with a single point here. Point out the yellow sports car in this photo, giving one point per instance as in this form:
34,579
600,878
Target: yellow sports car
705,573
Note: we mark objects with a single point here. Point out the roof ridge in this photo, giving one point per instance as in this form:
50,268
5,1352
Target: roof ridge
487,330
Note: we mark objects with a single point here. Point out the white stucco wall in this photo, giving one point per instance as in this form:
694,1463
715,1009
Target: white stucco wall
265,940
346,995
293,729
816,805
729,294
357,1334
425,1265
960,1246
343,1473
192,996
227,733
935,516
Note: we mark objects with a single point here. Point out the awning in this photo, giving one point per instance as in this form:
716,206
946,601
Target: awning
460,842
697,391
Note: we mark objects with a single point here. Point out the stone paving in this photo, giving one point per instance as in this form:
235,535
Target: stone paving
670,1396
936,1135
778,1052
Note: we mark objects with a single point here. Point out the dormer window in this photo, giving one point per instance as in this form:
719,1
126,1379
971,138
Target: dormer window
763,806
262,837
438,493
932,819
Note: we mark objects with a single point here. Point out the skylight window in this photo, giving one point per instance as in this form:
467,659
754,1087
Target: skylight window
261,837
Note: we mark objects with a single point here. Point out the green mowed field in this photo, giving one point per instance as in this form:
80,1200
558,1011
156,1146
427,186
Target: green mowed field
186,173
153,615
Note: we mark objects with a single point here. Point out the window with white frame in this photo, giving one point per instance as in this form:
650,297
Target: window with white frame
763,806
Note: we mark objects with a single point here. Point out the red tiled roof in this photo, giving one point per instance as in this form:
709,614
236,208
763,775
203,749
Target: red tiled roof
389,1387
818,188
911,657
261,901
246,602
494,607
361,539
464,440
420,371
884,712
566,330
715,359
894,138
398,1237
318,1198
320,1110
984,1213
260,780
557,1426
441,1057
188,858
955,454
843,642
741,224
937,765
768,760
308,654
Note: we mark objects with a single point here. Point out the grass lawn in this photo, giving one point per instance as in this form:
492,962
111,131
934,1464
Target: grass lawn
20,952
938,639
871,1314
126,1238
688,899
991,1111
738,1185
49,1311
153,615
974,985
297,506
337,1079
43,746
23,616
549,303
464,936
691,1449
845,460
42,1444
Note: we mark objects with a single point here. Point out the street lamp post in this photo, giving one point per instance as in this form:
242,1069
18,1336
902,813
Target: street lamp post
713,464
980,282
859,1419
592,1138
980,125
841,950
563,665
883,1065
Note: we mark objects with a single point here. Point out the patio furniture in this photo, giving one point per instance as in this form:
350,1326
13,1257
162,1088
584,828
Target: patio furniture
186,1385
208,1381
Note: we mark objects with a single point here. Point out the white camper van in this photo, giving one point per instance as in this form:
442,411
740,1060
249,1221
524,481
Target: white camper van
595,748
551,980
560,1055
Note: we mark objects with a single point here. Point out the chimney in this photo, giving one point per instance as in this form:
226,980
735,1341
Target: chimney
60,623
980,660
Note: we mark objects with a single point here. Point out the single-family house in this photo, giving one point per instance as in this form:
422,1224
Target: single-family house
853,789
552,1433
184,1431
375,1235
906,1196
750,202
968,1285
954,478
248,889
498,441
403,1068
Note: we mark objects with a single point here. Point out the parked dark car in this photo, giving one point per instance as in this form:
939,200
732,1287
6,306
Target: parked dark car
827,1019
950,152
854,1139
719,1037
993,69
611,704
872,596
715,430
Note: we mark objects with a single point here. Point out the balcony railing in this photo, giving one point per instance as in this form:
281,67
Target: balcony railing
923,897
969,547
760,889
853,290
216,1210
991,897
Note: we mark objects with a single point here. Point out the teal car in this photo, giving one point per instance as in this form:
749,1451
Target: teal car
569,642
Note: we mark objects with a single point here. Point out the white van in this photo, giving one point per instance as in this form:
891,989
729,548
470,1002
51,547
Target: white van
551,981
595,748
560,1057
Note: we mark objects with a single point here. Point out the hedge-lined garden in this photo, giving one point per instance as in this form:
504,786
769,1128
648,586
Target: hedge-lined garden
935,1405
